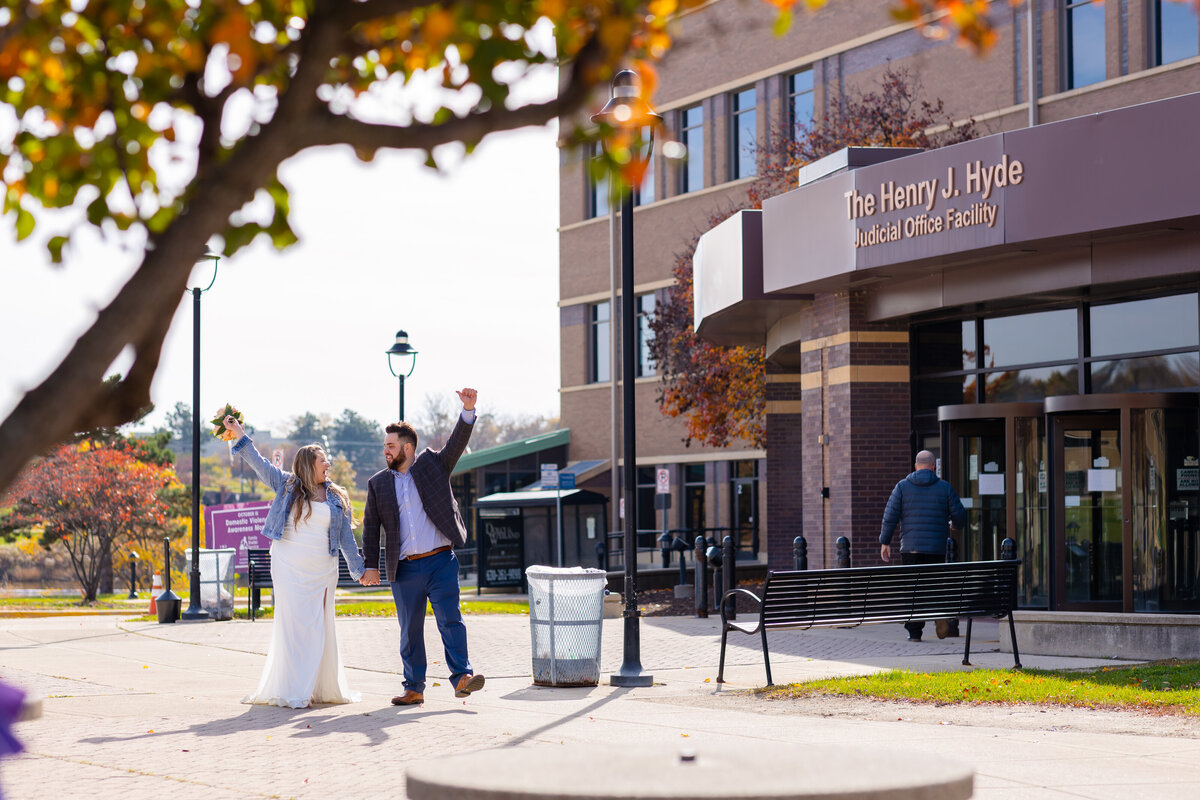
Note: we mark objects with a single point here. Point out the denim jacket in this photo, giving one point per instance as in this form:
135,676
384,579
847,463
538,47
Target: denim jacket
340,533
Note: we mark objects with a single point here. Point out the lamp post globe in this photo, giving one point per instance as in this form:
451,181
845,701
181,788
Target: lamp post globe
632,122
194,610
401,350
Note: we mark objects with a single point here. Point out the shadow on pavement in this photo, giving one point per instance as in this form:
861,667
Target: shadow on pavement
295,723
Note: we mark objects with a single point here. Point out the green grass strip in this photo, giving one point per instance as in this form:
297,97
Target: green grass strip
1162,687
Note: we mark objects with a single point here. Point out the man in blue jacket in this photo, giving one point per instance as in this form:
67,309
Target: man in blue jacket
923,504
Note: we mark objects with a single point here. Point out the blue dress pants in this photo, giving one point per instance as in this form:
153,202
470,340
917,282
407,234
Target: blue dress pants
434,578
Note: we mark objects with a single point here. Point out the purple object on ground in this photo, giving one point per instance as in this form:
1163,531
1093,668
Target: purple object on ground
10,708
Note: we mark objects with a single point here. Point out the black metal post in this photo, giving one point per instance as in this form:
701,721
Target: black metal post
842,546
1008,549
730,556
664,542
715,559
194,611
680,544
799,553
401,417
132,580
701,578
631,673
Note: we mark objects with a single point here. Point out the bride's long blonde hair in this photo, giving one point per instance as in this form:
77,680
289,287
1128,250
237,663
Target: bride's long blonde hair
304,479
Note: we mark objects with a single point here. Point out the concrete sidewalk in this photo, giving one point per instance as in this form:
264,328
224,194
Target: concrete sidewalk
135,709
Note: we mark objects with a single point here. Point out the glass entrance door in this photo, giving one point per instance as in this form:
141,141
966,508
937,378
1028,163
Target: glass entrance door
978,472
1089,512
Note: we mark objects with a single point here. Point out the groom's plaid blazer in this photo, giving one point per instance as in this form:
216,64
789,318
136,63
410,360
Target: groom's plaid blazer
431,475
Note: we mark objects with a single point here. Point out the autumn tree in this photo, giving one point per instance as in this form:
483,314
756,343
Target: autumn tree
163,123
721,391
93,497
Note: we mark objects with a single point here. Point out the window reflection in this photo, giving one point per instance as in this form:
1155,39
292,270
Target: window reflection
1152,373
1085,43
1031,384
1030,338
1139,326
1177,32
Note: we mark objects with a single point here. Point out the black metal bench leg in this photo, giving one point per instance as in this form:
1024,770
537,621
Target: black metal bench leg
1012,632
967,650
721,668
766,656
255,601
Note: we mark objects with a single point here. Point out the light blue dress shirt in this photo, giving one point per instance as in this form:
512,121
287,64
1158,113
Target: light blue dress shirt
417,533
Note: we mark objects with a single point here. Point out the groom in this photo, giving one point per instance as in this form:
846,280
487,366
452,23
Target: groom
413,502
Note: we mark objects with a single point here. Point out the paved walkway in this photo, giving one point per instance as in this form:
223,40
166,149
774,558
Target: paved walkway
137,709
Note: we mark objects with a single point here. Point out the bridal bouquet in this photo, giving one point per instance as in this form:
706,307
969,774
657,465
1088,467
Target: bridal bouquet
220,431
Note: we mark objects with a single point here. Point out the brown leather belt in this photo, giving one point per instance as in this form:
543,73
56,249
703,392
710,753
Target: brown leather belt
433,552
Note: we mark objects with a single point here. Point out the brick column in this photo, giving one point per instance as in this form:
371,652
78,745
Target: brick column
785,468
854,436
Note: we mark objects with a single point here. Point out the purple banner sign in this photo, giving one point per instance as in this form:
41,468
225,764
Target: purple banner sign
237,525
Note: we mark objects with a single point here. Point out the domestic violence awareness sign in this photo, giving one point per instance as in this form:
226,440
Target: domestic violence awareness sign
237,525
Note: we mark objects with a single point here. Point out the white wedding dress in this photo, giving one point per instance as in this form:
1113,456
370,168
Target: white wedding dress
303,664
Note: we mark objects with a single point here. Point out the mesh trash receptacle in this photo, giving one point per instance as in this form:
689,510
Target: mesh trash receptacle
216,580
566,606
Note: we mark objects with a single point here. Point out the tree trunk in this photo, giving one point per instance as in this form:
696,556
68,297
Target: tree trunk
106,570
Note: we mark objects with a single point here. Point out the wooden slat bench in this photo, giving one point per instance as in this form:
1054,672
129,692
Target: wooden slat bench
846,597
259,574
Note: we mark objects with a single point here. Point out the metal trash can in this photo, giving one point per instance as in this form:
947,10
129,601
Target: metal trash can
566,606
216,580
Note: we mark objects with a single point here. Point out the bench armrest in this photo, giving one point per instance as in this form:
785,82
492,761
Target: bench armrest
734,593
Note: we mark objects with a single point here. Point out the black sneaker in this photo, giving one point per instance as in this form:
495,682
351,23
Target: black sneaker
914,638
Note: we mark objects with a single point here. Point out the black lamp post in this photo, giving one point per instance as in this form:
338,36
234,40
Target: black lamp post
402,349
133,557
627,112
194,611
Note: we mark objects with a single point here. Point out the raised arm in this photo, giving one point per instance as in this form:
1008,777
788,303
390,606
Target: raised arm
267,472
457,443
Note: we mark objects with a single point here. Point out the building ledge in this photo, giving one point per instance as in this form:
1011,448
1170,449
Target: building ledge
1104,634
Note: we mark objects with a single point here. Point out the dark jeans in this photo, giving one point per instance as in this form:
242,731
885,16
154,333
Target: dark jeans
915,628
435,578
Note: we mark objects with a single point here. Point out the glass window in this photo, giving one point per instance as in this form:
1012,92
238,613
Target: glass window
598,192
1176,30
644,306
1084,46
693,473
599,345
800,100
1153,373
743,160
691,128
944,347
934,392
1030,338
1011,386
1161,323
693,500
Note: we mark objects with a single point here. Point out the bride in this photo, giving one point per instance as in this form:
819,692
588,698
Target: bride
309,520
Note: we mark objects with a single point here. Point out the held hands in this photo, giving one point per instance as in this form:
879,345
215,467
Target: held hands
468,397
232,424
885,552
370,578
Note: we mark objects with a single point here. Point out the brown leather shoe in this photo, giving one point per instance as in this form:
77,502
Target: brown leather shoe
409,698
468,684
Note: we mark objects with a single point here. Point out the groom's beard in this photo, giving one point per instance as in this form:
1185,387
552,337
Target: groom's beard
392,463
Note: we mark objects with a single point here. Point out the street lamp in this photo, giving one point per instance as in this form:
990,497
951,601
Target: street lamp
194,611
634,122
402,349
133,557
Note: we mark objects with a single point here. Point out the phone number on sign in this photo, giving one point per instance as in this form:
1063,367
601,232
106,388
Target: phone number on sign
500,575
